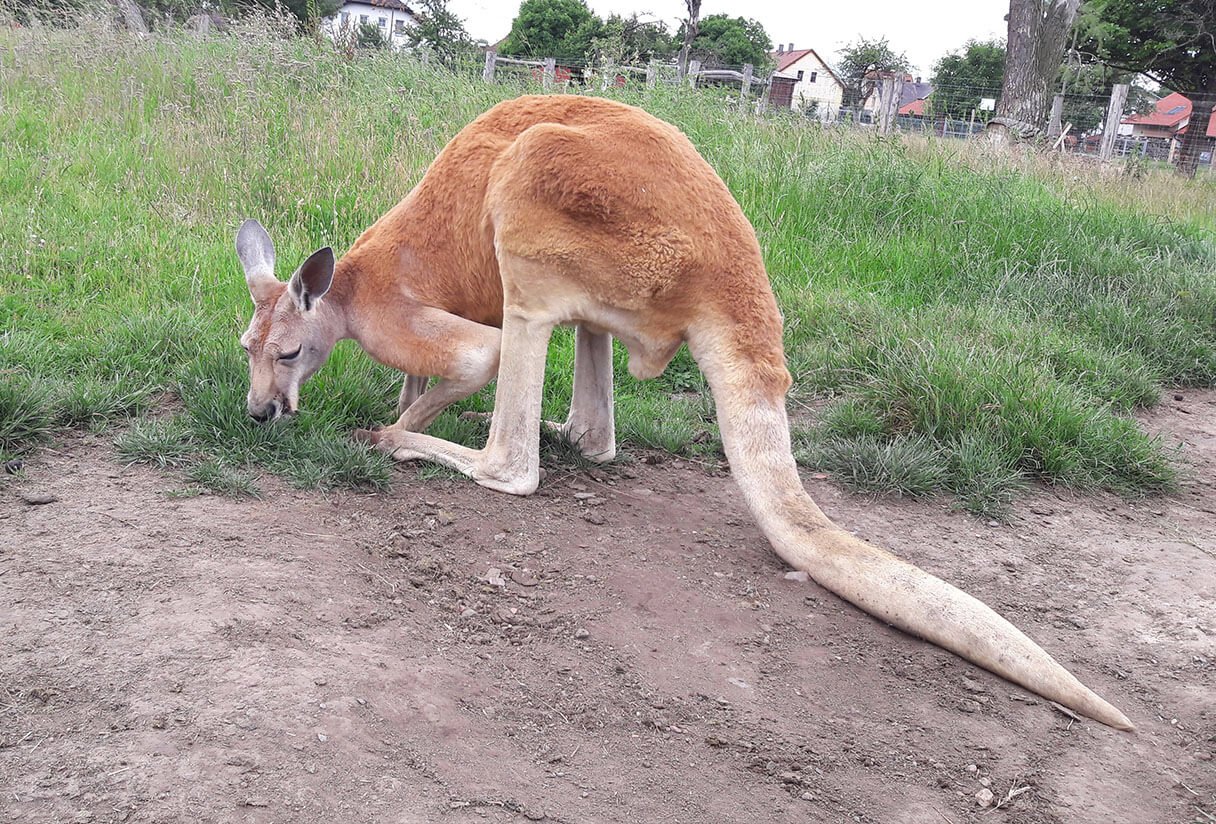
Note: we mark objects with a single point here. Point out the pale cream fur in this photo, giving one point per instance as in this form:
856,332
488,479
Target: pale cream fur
580,211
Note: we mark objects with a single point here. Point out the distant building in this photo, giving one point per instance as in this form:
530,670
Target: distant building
393,17
913,94
1165,126
1167,120
815,85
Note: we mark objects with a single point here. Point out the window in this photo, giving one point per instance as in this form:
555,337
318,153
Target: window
383,22
399,26
813,76
800,76
362,19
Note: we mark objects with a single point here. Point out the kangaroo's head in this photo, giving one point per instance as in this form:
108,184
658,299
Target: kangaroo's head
291,333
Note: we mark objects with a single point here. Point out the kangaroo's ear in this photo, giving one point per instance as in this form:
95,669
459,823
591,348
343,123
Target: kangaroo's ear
313,279
256,251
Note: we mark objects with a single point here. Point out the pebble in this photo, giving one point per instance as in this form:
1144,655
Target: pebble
582,632
14,466
38,498
593,517
584,496
469,612
524,578
807,796
797,575
984,797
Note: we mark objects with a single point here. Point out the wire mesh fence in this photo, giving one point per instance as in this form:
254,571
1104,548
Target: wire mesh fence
946,111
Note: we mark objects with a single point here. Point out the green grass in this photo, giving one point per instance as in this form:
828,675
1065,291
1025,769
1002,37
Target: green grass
975,322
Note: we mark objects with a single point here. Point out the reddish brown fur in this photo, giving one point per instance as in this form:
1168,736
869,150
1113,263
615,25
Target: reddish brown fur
585,186
565,209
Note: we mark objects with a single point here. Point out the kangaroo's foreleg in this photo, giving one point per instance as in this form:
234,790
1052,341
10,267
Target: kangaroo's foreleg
462,353
510,461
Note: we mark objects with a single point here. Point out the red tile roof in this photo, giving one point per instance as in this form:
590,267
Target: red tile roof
789,58
1168,112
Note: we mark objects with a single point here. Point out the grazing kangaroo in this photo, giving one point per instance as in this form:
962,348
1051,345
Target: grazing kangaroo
575,210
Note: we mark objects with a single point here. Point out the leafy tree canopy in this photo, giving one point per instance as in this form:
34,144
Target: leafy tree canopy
553,28
1171,41
440,30
629,40
961,78
723,40
859,57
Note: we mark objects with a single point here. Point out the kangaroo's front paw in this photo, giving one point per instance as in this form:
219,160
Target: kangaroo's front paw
368,436
395,443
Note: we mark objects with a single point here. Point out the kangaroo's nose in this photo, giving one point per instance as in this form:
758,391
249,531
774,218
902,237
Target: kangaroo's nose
264,413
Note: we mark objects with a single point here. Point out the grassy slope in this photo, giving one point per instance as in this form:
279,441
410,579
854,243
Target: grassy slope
974,323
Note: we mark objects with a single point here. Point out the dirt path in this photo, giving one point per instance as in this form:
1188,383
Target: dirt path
343,658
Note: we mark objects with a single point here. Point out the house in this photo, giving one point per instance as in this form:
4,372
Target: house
913,94
393,17
817,89
1167,120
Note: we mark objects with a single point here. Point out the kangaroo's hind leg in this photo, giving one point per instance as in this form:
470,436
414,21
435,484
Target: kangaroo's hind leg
591,426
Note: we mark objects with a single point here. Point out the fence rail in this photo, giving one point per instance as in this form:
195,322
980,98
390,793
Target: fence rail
880,110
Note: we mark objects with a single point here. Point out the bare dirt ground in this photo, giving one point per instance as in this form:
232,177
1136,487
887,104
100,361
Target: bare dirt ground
621,647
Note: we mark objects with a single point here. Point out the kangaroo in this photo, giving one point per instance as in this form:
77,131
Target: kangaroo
574,210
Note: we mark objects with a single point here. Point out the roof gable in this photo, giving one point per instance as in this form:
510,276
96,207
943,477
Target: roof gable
786,60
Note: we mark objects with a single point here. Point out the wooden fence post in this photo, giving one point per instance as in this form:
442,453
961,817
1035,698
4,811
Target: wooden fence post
487,74
1110,131
550,72
745,88
888,103
694,68
1056,124
609,71
762,104
652,73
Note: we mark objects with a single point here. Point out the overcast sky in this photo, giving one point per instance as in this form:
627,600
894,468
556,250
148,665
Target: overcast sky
925,31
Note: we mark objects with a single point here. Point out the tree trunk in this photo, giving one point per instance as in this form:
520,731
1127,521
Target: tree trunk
129,16
1196,141
1038,31
690,32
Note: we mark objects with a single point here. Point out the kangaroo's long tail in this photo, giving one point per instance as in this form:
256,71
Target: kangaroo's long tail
755,432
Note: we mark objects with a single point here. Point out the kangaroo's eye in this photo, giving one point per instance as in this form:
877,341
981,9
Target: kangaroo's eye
289,355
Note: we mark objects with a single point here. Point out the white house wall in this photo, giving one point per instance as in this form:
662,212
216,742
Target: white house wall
825,90
365,12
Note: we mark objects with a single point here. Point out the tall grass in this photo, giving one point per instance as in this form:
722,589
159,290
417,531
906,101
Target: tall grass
974,321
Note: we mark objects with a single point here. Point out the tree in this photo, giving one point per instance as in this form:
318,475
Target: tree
1038,32
1170,41
302,10
690,28
863,56
631,40
961,78
439,30
563,29
723,40
1086,88
369,36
